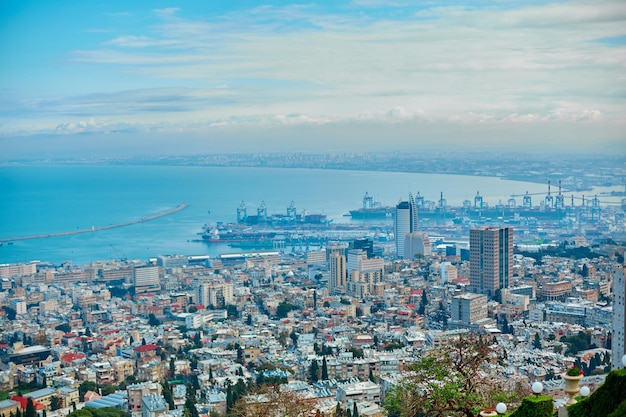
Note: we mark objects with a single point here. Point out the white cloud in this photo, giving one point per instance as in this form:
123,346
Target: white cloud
527,65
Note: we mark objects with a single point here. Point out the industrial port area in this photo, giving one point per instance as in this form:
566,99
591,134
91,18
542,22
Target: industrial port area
539,218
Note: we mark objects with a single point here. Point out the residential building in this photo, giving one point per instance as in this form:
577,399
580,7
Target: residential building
491,259
216,294
337,279
153,405
468,308
136,392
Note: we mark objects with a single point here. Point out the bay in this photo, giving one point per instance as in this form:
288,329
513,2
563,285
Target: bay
50,199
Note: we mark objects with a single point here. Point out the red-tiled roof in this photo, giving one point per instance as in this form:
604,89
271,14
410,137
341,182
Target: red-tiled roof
145,348
24,401
111,331
70,357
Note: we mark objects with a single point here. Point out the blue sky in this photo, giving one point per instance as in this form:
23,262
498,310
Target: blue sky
133,77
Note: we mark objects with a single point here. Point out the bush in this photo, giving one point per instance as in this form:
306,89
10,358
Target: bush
607,400
535,406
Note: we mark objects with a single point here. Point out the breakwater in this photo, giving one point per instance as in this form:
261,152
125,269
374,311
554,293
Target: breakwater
99,228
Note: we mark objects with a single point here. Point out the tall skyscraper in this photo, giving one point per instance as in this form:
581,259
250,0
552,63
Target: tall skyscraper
491,259
405,222
337,279
618,342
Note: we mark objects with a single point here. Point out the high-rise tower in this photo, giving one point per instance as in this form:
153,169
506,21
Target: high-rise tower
491,259
337,279
618,342
405,223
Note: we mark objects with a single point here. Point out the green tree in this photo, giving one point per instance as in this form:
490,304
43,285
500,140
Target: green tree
324,369
166,391
153,321
537,341
283,309
355,410
64,327
282,338
55,403
172,367
314,371
190,403
294,338
84,387
31,411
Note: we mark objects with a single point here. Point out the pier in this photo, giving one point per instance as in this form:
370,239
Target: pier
97,229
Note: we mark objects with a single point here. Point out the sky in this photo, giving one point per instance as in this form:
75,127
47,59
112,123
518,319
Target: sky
116,78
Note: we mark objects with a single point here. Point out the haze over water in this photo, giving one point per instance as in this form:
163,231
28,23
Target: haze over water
51,199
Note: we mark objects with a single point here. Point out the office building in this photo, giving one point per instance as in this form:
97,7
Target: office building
146,279
618,344
491,259
405,222
365,244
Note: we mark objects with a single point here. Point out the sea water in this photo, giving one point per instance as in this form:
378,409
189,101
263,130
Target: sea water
44,199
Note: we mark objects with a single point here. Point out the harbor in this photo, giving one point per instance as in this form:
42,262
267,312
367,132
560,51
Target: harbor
303,231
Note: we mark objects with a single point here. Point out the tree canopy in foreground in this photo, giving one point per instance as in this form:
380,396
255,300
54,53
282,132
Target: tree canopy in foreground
458,379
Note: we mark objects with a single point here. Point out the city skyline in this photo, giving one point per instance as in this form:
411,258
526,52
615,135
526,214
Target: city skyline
150,78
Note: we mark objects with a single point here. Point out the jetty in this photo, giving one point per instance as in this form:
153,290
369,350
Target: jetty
97,229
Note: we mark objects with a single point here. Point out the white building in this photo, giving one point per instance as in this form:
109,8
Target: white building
217,294
358,261
153,405
146,279
619,312
19,306
468,308
359,392
448,272
416,243
337,279
317,257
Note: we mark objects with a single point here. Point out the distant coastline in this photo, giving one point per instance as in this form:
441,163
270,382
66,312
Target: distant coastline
577,173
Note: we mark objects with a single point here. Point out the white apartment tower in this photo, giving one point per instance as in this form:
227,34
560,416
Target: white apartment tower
337,279
216,294
405,222
619,312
